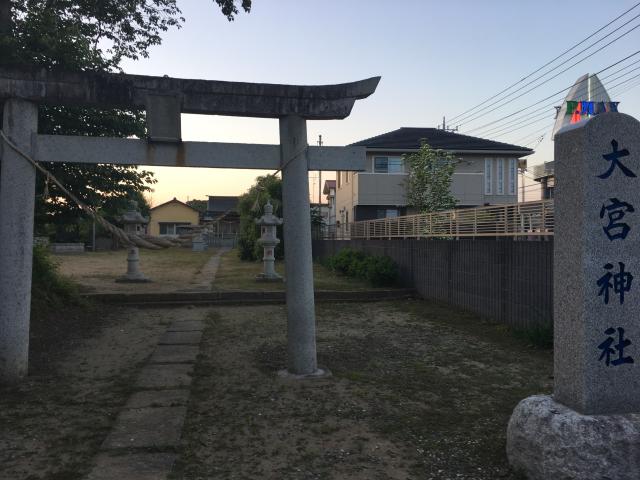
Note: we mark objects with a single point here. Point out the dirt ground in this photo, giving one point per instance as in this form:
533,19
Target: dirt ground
418,391
82,364
172,269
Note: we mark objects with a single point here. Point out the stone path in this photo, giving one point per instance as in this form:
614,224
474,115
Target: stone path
204,279
143,441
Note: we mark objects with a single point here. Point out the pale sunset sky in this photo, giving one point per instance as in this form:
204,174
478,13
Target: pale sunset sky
435,58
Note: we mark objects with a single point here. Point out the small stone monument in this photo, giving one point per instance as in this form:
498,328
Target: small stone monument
268,239
590,427
133,224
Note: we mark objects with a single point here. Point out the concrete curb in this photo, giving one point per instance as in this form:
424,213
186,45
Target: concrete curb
244,297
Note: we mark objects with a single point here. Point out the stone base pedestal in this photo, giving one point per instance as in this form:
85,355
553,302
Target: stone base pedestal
133,275
319,373
275,278
547,440
140,278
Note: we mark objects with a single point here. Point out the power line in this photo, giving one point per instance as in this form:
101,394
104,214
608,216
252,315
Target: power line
552,95
547,80
524,126
537,132
546,64
623,68
545,108
546,127
629,88
492,130
498,130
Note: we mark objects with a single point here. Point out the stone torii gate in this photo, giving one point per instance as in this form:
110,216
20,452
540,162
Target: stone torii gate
164,99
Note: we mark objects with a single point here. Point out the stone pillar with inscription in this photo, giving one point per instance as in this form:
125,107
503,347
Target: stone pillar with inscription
590,427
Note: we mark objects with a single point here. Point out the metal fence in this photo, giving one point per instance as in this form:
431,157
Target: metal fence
527,219
221,239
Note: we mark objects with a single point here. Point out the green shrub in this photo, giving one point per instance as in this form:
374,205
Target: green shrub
341,261
378,270
381,271
48,287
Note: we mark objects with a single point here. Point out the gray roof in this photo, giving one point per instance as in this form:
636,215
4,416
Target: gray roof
222,204
410,138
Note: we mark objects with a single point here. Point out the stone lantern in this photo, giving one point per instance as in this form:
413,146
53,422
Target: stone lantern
133,224
268,223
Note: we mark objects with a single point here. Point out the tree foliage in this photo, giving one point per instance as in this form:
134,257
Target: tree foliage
250,207
200,205
85,35
429,180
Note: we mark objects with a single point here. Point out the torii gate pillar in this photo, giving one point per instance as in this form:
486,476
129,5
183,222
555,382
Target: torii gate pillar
301,320
17,198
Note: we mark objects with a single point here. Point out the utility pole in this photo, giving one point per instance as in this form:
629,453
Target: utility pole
319,177
445,128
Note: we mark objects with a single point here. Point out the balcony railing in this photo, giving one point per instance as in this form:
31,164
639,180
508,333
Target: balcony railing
528,219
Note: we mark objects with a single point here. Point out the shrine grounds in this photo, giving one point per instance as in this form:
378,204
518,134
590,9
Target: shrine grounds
180,269
419,390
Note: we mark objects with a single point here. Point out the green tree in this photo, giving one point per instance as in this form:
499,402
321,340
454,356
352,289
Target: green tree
429,180
200,205
85,35
250,207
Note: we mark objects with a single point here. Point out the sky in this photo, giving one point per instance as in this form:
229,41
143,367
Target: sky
435,58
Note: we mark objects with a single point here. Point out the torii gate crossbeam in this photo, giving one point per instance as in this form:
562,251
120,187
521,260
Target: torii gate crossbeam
164,99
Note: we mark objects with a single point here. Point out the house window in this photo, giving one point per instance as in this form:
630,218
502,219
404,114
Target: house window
500,175
171,228
488,176
387,213
513,172
388,165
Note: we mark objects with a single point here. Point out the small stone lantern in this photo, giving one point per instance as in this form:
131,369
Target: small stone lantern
268,223
133,223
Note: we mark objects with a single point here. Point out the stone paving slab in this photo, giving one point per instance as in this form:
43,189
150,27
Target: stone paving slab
174,354
137,466
147,427
186,326
158,398
181,338
165,376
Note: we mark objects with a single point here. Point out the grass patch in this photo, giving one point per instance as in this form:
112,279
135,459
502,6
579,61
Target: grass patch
236,274
170,269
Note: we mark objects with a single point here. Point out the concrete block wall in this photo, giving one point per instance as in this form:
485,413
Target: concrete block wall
508,281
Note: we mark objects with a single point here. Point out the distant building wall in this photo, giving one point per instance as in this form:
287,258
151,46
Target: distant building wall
529,189
509,281
477,181
171,212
